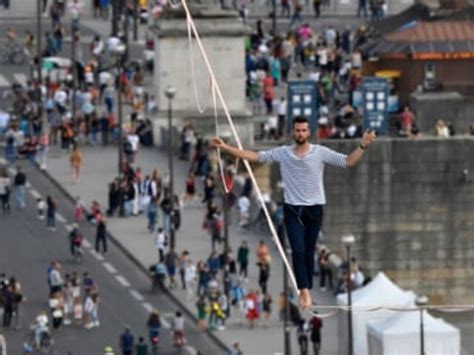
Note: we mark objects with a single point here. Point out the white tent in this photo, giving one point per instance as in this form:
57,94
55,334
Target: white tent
379,292
400,335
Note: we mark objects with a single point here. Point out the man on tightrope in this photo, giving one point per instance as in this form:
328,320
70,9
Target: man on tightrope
302,169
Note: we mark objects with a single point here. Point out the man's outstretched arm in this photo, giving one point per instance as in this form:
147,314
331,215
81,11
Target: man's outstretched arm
236,152
356,155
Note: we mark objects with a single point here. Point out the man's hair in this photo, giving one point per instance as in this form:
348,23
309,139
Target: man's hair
299,119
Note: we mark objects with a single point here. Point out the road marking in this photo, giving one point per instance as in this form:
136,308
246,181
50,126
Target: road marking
2,161
21,78
28,185
137,295
36,195
85,242
165,323
11,171
190,350
148,307
60,218
110,268
68,227
4,82
122,280
97,255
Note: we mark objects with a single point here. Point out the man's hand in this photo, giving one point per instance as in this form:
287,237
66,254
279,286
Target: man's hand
217,143
368,138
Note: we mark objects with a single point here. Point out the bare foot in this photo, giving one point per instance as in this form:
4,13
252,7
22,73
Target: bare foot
305,298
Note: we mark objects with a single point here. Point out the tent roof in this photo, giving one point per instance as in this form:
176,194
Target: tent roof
408,323
380,291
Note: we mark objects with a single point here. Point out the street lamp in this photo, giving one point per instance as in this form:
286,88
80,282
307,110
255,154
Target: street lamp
286,315
421,301
170,92
348,241
118,55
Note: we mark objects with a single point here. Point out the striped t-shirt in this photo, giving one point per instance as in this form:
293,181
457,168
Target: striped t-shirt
303,176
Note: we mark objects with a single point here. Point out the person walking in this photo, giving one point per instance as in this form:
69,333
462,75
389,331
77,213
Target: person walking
5,191
141,347
161,243
101,235
263,275
51,213
315,325
20,188
127,342
302,170
243,258
76,161
171,261
178,329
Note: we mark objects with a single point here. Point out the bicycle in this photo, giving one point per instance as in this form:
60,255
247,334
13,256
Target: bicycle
13,53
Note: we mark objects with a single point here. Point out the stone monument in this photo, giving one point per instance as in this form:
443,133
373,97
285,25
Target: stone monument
223,36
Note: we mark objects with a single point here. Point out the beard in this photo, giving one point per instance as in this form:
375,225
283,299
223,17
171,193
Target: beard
300,140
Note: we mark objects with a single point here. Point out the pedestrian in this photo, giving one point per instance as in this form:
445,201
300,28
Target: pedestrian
183,262
127,342
263,275
201,306
302,168
161,242
178,329
362,8
317,8
79,210
51,213
251,308
101,235
91,307
171,261
302,335
40,208
20,187
56,306
76,161
315,325
243,259
141,347
267,307
153,325
152,213
55,279
5,191
236,349
190,278
75,240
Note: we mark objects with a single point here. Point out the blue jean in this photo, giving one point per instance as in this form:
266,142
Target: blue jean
302,226
20,195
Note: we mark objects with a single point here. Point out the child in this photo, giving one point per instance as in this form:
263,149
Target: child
79,210
178,329
41,207
78,310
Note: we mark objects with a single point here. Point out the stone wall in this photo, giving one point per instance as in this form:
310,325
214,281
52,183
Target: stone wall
410,204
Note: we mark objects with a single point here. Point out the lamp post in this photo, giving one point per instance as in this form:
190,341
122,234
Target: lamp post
118,55
170,92
421,301
73,73
348,241
229,182
286,315
135,20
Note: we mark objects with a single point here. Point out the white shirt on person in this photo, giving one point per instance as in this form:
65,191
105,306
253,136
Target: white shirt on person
303,176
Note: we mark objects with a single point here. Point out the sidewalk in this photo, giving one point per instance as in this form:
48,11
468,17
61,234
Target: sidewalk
100,168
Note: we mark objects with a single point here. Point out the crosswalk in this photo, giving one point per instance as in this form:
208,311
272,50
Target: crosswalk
7,79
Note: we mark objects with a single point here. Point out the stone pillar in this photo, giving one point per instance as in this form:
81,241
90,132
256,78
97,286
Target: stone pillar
224,41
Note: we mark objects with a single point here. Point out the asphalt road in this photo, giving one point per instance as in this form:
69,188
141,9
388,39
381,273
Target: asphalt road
27,248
